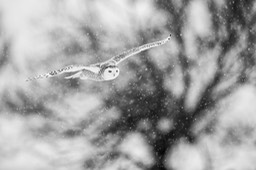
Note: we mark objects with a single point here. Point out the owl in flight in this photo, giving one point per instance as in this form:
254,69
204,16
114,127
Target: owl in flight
107,70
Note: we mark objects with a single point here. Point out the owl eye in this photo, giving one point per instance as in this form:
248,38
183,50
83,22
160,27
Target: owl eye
110,71
116,70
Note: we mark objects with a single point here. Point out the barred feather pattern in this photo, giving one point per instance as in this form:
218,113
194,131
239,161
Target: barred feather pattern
118,58
71,68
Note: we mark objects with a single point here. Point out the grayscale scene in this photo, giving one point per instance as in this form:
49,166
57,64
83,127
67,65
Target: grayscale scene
127,85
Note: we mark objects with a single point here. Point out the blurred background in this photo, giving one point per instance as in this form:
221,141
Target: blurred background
186,105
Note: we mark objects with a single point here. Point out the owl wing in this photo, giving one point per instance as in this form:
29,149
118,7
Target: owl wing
121,57
67,69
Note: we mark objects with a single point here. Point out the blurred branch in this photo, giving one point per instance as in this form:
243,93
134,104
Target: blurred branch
4,56
26,105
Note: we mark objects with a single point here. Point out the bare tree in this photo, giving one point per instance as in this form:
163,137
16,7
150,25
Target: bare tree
233,26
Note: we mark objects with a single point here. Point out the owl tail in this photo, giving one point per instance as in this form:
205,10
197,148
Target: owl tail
68,69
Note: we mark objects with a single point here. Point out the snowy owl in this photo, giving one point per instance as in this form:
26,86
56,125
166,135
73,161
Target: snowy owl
107,70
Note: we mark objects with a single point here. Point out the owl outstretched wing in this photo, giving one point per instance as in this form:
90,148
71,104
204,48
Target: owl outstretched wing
121,57
67,69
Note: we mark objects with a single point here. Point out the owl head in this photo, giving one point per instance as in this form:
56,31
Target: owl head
110,72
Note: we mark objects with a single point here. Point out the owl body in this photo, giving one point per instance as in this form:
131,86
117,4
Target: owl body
103,71
92,74
97,73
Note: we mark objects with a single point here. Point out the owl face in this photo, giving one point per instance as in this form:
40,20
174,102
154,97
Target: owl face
110,73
